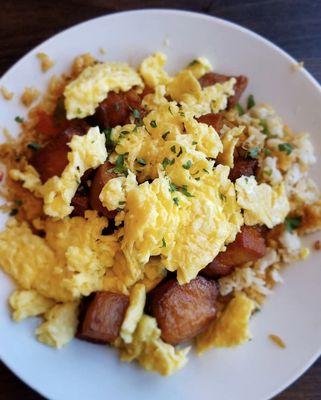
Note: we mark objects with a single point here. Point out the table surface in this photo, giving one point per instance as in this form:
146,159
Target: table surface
26,23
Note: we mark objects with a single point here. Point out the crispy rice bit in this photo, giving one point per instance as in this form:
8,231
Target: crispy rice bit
311,218
297,66
317,245
29,95
6,94
278,341
80,63
7,135
45,62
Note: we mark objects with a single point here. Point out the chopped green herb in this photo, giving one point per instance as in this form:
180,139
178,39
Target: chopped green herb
153,124
120,168
187,165
172,187
163,243
78,110
18,203
192,63
169,109
13,212
250,101
185,192
240,109
34,146
256,310
266,130
166,162
286,147
182,114
267,171
141,161
173,149
292,223
254,152
121,203
222,197
124,133
197,179
267,152
19,119
109,141
172,161
180,152
136,113
78,182
246,179
164,135
194,143
176,200
205,170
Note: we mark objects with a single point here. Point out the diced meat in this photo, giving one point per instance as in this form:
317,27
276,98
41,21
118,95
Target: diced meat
51,160
1,176
239,88
118,107
249,245
216,268
103,317
46,125
214,120
211,78
112,111
102,176
80,204
243,167
183,311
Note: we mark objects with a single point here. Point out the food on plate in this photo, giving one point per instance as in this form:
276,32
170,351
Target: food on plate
184,311
151,212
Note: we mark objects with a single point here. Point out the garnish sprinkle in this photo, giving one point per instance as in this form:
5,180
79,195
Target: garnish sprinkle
292,223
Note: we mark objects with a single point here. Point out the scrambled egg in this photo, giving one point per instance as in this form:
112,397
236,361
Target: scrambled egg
69,262
177,209
134,312
28,303
60,325
83,94
231,328
87,152
262,204
150,351
152,70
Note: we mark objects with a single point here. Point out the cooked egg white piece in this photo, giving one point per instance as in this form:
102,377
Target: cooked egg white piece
83,94
262,204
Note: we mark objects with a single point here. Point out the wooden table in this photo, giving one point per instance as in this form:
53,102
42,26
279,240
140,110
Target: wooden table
295,25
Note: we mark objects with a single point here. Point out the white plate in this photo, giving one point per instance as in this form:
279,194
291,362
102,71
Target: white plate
257,370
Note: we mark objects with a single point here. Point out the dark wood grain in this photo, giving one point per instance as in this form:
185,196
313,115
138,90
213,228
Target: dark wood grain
295,25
